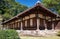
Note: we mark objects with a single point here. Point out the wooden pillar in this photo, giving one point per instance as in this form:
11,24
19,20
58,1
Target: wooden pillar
45,24
4,26
25,23
21,25
31,22
13,25
38,23
7,26
10,25
18,25
52,24
55,23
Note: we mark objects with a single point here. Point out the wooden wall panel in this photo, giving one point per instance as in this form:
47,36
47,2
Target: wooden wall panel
41,27
32,15
49,25
57,25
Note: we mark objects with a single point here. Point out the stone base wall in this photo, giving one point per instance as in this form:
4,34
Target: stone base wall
37,33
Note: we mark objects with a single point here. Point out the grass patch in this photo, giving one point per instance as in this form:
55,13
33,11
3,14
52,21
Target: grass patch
30,37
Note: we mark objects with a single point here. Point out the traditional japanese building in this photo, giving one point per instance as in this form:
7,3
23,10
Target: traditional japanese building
35,18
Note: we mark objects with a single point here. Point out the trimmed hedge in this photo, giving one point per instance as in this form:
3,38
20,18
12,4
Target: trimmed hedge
8,34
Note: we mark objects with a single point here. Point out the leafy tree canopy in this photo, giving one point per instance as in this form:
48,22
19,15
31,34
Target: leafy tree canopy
53,5
10,8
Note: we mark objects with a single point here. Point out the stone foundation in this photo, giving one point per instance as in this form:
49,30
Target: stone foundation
37,33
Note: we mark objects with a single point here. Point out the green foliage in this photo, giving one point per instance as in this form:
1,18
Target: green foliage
53,5
10,8
8,34
58,33
7,16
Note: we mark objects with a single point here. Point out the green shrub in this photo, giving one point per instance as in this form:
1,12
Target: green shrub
8,34
58,33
